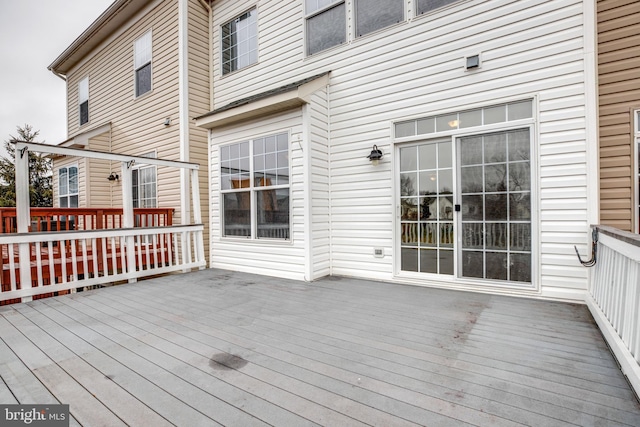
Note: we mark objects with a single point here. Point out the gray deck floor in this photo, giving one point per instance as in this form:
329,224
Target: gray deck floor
221,348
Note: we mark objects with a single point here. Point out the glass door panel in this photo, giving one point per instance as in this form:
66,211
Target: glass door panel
495,217
426,208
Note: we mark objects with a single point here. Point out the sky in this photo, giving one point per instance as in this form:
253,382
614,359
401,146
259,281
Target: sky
32,35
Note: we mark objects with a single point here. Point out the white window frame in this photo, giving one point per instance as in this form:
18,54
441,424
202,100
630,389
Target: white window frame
251,54
437,8
83,97
68,194
142,57
635,162
356,5
314,8
137,169
253,193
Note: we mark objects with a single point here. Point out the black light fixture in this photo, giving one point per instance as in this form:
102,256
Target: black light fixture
375,156
113,177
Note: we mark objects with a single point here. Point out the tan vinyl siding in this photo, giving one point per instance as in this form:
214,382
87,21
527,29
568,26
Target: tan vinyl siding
199,102
137,123
619,94
101,189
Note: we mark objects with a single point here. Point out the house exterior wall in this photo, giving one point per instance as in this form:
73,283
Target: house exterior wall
275,258
619,96
137,123
535,50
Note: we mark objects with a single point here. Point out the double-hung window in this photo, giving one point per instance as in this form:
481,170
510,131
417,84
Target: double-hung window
326,24
255,188
68,187
372,15
142,63
144,178
83,100
240,42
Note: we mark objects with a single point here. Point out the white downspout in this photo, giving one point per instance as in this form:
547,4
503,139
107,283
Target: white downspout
183,95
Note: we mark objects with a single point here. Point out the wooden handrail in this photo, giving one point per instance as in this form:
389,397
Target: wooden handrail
60,219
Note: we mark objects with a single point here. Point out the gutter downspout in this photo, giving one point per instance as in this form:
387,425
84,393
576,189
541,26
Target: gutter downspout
207,7
183,96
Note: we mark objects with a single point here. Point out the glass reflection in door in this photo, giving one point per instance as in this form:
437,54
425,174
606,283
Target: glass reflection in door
495,189
426,208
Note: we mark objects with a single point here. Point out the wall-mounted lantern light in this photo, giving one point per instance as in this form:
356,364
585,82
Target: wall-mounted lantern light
375,156
113,177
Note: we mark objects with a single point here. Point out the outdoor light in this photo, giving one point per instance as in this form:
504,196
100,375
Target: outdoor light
375,156
167,121
113,177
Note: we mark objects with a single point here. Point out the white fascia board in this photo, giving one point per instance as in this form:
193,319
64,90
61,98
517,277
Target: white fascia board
262,107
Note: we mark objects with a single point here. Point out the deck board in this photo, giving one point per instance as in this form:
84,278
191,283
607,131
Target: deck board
216,347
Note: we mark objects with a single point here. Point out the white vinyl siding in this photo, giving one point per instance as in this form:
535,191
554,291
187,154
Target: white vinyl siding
284,258
529,50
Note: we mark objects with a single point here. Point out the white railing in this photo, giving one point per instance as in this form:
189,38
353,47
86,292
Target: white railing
614,297
43,263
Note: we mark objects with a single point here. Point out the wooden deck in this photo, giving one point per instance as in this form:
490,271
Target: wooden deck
221,348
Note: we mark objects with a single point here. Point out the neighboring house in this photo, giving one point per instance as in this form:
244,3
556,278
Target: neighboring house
135,79
619,111
488,107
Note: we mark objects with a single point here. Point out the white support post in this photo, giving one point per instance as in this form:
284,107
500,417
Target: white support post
128,217
197,212
23,213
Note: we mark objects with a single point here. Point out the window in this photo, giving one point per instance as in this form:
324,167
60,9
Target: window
145,184
493,114
83,100
372,15
326,24
240,42
68,187
142,64
255,188
425,6
637,169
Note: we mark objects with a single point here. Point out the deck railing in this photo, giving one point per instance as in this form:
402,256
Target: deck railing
614,297
62,219
42,264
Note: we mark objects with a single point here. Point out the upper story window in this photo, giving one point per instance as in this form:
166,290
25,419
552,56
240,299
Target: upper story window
424,6
254,178
83,100
68,187
372,15
145,181
142,63
326,24
240,42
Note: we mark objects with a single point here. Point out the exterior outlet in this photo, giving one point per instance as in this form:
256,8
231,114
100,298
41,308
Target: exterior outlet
378,252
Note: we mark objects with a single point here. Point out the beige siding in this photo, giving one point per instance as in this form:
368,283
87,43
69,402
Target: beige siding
136,123
101,189
199,102
619,94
